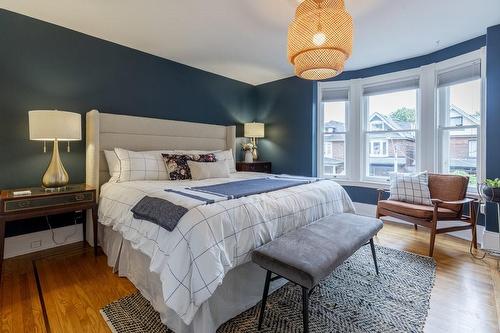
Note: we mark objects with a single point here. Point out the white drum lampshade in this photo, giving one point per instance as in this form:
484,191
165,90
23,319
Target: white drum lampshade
254,130
53,125
50,125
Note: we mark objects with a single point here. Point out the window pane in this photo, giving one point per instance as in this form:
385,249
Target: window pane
334,155
334,125
390,152
392,111
460,153
460,105
463,104
334,117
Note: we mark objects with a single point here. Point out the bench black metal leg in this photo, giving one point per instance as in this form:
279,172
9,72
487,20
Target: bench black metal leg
264,299
372,245
305,309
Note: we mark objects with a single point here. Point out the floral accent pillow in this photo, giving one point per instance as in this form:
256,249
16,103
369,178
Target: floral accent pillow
177,166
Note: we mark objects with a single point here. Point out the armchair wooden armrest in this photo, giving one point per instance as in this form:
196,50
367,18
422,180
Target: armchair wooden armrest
437,202
380,192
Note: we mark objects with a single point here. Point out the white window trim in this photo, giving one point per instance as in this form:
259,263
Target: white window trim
341,85
376,80
427,133
456,63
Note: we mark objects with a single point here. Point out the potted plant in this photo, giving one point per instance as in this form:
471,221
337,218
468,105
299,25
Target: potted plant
491,190
248,149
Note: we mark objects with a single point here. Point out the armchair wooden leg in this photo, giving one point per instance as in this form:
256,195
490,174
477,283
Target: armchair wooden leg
433,229
415,227
432,241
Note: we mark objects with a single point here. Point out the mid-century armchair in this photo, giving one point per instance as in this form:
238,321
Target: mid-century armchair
448,196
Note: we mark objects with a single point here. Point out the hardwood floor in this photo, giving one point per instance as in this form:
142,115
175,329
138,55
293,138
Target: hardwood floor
75,285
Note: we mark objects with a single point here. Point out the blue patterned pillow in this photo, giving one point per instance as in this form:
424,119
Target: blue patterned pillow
177,166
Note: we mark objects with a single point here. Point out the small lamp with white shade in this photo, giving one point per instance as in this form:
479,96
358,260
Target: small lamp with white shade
254,131
53,125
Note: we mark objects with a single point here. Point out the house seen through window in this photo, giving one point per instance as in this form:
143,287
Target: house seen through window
460,120
391,132
334,137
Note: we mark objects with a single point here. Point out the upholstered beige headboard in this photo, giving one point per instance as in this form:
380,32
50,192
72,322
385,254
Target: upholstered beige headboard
106,131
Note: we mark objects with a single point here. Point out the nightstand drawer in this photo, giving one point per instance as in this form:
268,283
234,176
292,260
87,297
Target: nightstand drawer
257,166
23,204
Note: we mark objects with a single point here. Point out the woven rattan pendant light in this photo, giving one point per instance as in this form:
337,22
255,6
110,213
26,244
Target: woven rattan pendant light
320,39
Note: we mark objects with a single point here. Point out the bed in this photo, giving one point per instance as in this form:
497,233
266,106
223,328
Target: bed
199,275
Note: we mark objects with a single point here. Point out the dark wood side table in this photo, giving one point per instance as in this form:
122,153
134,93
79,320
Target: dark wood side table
255,166
41,203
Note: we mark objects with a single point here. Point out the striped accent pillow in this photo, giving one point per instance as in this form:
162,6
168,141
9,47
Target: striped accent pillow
411,188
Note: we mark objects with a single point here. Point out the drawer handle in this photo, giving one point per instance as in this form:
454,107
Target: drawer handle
79,197
23,204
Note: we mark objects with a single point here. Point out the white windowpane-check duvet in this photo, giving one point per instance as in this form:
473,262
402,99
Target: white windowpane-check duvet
212,239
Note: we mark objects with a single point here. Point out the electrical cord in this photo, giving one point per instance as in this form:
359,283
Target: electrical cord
474,230
495,255
67,237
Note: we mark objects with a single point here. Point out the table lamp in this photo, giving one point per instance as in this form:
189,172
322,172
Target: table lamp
53,125
254,131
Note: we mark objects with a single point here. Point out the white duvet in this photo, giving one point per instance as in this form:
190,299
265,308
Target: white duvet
212,239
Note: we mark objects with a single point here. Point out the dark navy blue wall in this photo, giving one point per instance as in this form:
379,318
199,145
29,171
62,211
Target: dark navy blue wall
287,108
300,110
492,115
43,66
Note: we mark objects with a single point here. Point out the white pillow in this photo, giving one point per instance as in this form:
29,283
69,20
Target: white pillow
411,188
227,156
140,166
113,165
220,155
206,170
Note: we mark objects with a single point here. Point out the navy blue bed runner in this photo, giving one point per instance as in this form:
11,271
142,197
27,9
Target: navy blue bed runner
167,215
244,188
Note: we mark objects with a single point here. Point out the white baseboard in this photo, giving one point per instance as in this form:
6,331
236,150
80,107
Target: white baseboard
370,210
491,240
41,240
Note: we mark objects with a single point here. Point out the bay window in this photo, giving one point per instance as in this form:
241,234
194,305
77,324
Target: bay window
428,118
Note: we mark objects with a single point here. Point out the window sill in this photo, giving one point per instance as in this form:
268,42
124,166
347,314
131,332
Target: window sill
383,185
367,184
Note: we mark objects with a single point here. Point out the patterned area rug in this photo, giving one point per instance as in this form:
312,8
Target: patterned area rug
352,299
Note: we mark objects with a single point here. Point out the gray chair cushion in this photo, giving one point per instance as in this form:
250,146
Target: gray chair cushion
309,254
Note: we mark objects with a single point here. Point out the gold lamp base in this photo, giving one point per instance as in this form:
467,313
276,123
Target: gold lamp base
255,155
56,177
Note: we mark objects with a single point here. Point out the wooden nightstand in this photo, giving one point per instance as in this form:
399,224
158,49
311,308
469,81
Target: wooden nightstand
41,203
256,166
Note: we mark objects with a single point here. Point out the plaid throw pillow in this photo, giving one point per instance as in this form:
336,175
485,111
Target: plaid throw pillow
411,188
177,166
140,166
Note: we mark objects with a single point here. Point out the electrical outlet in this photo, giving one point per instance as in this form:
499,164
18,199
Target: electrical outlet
36,244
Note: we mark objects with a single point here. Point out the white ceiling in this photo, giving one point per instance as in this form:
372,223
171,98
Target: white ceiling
246,39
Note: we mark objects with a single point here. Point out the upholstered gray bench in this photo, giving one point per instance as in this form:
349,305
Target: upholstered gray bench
307,255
